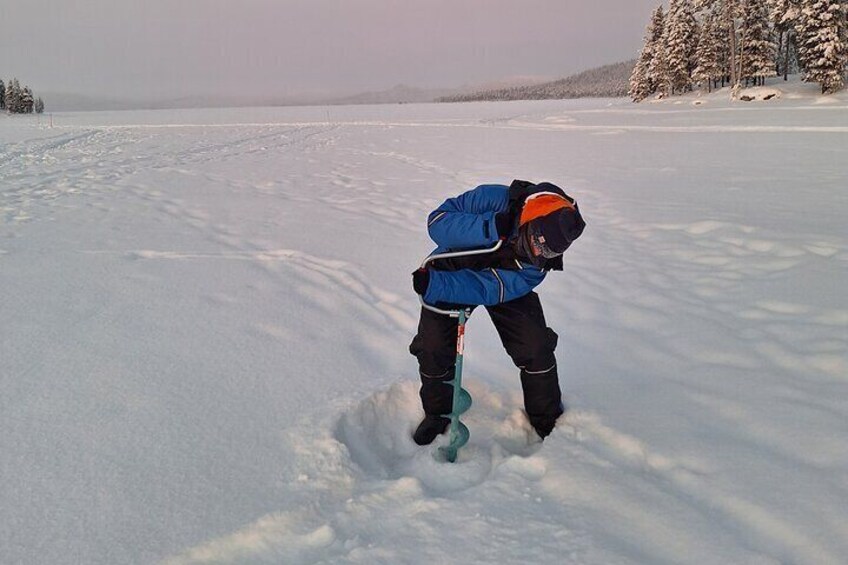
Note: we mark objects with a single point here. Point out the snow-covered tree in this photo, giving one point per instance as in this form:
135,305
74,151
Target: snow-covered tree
742,39
680,39
783,15
722,33
822,42
27,101
659,70
17,100
756,46
13,96
642,83
708,55
39,105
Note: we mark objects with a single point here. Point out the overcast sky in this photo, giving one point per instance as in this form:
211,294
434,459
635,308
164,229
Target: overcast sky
156,48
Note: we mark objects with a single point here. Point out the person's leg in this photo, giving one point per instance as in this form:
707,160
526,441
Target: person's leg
531,343
435,348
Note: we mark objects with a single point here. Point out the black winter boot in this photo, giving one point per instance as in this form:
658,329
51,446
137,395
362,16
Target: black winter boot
429,428
542,399
437,401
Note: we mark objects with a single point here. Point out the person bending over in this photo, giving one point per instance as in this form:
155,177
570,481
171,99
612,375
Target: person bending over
537,223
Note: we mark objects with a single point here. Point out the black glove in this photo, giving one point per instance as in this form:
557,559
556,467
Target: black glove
504,222
420,280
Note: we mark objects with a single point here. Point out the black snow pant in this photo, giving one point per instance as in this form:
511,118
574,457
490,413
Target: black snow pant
521,326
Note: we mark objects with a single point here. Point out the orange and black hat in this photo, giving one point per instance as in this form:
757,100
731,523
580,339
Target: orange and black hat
556,218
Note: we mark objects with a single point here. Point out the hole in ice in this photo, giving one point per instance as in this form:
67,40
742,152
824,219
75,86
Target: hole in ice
377,433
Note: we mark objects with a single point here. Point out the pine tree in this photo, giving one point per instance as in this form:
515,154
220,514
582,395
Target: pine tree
708,54
39,105
641,83
27,101
757,48
783,15
13,97
2,95
659,70
680,41
822,43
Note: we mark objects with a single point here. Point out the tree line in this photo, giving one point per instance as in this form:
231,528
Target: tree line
606,81
19,100
707,43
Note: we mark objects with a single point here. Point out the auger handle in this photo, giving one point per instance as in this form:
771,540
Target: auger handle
451,255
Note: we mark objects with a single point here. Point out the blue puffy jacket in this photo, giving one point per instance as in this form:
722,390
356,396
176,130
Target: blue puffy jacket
468,222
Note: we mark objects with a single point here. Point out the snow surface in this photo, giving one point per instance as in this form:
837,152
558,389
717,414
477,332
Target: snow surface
205,316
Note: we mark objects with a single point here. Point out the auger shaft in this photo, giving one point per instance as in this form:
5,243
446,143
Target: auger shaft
459,433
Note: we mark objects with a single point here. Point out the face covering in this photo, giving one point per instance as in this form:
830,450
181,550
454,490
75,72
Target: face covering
524,249
537,241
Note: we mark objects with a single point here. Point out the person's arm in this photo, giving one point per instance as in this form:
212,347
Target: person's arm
486,287
468,221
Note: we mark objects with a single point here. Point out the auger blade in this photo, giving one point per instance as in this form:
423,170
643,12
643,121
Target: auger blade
463,402
459,435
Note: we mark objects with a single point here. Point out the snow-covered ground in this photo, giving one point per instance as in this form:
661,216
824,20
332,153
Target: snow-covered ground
205,320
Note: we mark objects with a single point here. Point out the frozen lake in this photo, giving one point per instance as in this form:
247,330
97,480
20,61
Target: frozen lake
206,314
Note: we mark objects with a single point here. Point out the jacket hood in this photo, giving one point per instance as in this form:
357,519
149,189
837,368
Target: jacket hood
519,191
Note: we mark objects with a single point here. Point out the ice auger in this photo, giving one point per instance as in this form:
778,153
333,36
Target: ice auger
459,433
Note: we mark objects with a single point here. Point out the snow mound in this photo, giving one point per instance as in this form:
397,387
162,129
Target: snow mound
378,435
